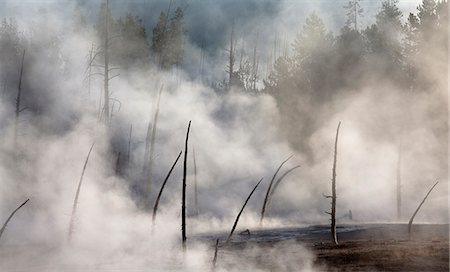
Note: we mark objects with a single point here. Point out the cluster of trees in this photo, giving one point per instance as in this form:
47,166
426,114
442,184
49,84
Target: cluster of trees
324,66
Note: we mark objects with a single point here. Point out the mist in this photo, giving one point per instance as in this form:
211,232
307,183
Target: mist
293,83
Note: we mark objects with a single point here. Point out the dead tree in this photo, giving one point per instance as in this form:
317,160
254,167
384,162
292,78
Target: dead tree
18,109
399,185
214,261
231,58
150,147
277,183
333,191
264,206
106,64
117,170
418,208
10,216
240,212
77,194
195,184
183,199
155,207
129,144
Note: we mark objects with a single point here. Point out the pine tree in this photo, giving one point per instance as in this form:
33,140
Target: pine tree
354,11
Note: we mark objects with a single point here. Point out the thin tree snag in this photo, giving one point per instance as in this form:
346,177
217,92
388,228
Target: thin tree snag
129,144
150,148
106,65
277,183
418,208
10,216
214,261
195,184
18,109
117,170
333,190
263,209
77,194
155,207
399,185
183,201
240,212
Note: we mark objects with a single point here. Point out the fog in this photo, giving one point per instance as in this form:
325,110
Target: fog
239,137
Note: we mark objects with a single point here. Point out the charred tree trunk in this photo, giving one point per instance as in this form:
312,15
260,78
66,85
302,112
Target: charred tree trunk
18,109
277,183
77,194
240,212
10,216
333,190
417,210
129,144
155,207
214,261
183,199
106,66
150,149
266,198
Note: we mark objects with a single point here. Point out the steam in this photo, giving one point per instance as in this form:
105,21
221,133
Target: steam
237,138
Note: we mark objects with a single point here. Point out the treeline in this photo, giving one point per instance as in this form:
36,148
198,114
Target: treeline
409,56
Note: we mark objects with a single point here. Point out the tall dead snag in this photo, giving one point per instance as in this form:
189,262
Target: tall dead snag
77,194
231,58
183,199
129,144
266,198
106,65
214,261
18,109
195,184
418,208
277,183
399,185
333,191
10,216
150,148
155,207
240,212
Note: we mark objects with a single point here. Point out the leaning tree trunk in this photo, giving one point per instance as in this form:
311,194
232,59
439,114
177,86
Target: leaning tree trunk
266,198
11,216
77,194
240,212
183,199
418,208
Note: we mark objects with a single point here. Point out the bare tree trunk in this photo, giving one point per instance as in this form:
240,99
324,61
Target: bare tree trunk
155,207
150,150
333,191
195,184
240,212
117,170
214,261
183,201
18,109
277,183
106,72
231,59
129,144
417,210
10,216
263,209
77,194
399,185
